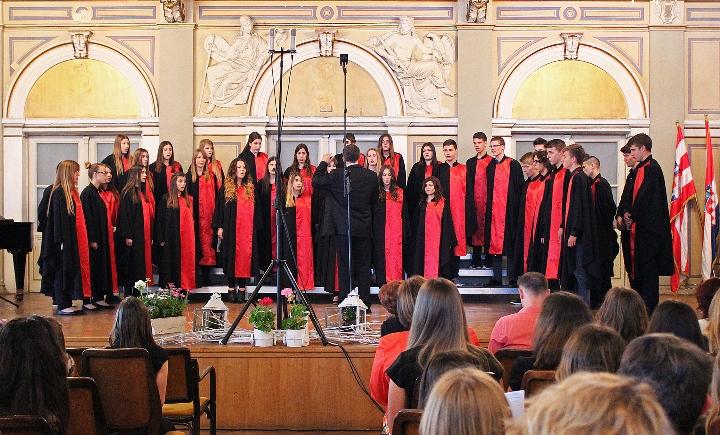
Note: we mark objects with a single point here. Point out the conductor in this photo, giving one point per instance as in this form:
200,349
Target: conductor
363,187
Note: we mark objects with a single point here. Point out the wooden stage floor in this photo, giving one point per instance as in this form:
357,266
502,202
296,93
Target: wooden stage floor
278,389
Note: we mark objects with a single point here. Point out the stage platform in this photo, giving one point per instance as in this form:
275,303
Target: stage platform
279,389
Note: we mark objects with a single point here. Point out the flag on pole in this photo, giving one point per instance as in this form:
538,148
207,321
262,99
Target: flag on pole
710,214
683,191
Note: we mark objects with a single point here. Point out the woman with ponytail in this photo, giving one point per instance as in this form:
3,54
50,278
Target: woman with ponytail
134,230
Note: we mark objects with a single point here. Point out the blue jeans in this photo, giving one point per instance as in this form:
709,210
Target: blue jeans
580,275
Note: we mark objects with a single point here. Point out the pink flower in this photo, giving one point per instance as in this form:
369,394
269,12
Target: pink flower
266,302
287,292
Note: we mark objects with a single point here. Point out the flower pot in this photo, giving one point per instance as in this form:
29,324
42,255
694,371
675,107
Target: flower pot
168,325
294,337
263,339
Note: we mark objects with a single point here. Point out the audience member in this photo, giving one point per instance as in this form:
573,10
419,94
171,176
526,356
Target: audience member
677,370
388,298
679,319
438,325
516,330
440,364
624,311
465,402
132,329
713,326
594,403
712,418
592,348
57,332
33,377
704,294
562,313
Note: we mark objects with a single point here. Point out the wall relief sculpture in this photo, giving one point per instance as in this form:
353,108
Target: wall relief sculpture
80,44
232,69
572,45
422,66
326,39
476,11
174,11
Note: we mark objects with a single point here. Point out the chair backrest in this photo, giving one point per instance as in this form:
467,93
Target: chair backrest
507,357
76,354
24,425
128,390
180,375
407,422
534,381
86,412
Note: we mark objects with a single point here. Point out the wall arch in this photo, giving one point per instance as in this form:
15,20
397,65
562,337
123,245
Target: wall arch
635,96
26,78
386,82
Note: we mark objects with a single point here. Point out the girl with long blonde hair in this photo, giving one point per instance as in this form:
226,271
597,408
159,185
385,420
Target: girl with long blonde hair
175,232
120,161
202,185
237,220
134,230
213,163
372,161
298,219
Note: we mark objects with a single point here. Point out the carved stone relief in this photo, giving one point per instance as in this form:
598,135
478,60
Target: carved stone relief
80,44
572,45
174,11
476,11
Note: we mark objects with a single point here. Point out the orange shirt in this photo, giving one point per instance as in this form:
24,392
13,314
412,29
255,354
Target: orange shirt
514,331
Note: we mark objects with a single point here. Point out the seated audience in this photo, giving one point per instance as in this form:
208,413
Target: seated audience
624,311
33,372
713,326
562,313
679,319
438,325
516,330
704,294
132,329
391,345
677,370
465,402
712,418
57,331
440,364
388,298
591,404
592,348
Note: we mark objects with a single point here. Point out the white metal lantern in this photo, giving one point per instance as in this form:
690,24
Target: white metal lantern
352,312
211,316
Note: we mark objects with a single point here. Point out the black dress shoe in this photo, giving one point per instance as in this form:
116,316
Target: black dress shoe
240,296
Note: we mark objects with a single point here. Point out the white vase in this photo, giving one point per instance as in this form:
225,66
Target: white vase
168,325
263,339
294,337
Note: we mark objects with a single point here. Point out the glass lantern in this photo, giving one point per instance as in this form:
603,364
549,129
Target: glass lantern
212,316
352,313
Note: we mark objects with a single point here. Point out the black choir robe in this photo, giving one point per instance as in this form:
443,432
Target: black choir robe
530,199
414,190
579,221
161,179
474,212
193,189
652,255
43,208
131,225
453,181
398,165
226,217
539,250
264,200
604,209
96,222
326,264
507,217
380,237
118,180
175,228
251,163
447,241
298,219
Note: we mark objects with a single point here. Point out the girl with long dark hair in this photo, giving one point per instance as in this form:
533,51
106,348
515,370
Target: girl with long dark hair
163,168
135,223
426,166
267,192
255,160
388,228
389,157
301,165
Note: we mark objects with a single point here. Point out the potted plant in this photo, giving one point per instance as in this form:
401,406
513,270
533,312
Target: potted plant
166,307
262,318
295,324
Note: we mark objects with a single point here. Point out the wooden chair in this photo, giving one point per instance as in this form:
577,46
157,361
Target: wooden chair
507,358
407,422
76,354
534,381
128,389
86,412
24,425
183,403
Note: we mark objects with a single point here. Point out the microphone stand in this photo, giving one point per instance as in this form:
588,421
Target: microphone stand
344,59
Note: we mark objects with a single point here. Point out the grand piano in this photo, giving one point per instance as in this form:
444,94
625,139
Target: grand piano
16,238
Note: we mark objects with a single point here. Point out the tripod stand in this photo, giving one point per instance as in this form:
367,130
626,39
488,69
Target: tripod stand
277,262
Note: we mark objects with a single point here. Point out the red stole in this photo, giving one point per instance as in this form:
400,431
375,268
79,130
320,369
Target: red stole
304,242
592,188
394,163
148,210
393,236
150,196
206,209
261,161
307,175
187,244
428,172
480,197
273,221
457,205
169,171
639,178
433,229
361,160
244,224
533,198
83,245
125,163
501,184
111,206
215,168
556,202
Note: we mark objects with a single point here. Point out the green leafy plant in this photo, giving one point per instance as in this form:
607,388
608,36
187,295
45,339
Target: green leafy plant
348,316
296,317
170,302
262,317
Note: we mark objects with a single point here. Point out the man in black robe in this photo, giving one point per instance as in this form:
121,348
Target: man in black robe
453,178
579,259
607,245
476,199
363,191
643,213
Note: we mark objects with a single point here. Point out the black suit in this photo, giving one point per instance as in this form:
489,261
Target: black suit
363,192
